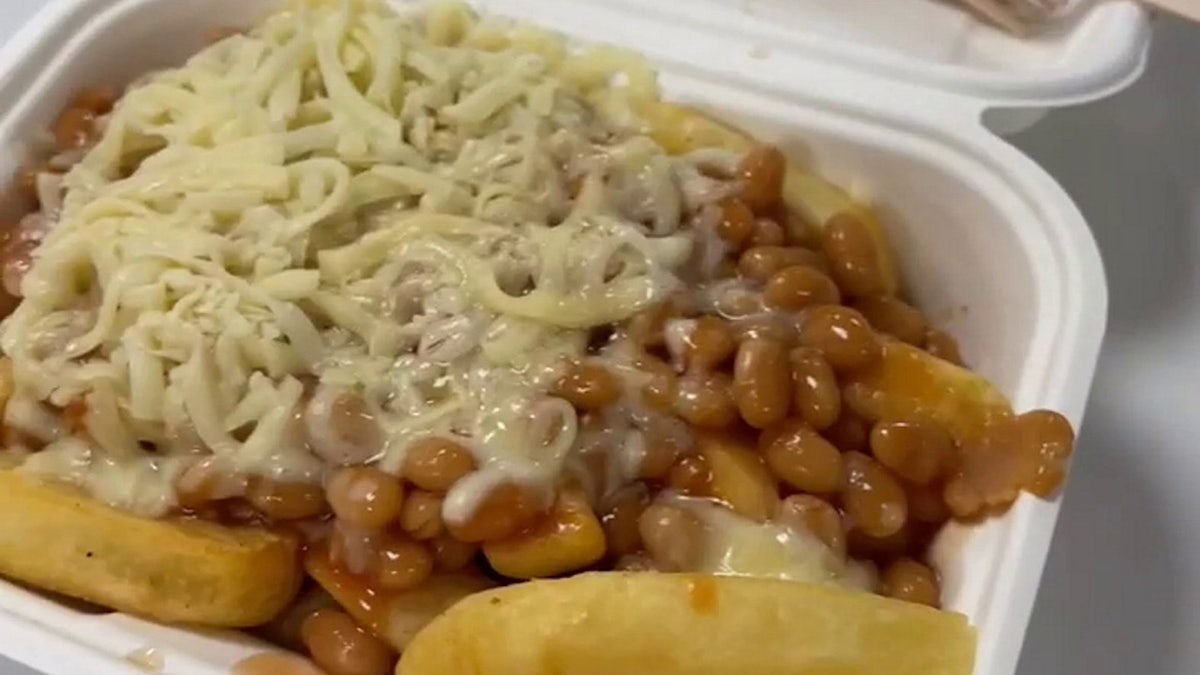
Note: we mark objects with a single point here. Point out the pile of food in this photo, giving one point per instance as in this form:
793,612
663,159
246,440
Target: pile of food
357,315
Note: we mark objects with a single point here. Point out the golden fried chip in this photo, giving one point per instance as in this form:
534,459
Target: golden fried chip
178,571
394,616
912,384
680,129
677,624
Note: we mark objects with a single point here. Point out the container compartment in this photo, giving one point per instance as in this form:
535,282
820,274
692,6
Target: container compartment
988,245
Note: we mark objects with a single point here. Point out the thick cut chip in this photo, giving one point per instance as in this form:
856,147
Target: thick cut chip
569,539
740,478
912,384
680,129
177,571
394,616
668,624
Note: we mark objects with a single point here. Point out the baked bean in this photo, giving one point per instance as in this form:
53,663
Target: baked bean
771,434
760,262
202,482
620,522
710,344
284,628
895,317
776,326
436,464
657,460
1027,452
421,516
452,555
815,395
762,382
665,438
97,99
401,564
352,549
804,460
588,386
646,327
902,542
501,514
365,497
799,287
341,428
74,128
1048,438
196,493
816,516
762,171
27,183
285,501
849,433
691,475
74,416
673,536
339,646
737,223
908,580
853,256
874,501
943,345
918,452
768,232
660,391
738,302
926,504
842,335
15,263
660,387
726,269
800,232
706,400
17,243
590,465
233,511
967,496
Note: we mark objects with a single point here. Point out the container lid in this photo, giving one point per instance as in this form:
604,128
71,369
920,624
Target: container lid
1096,49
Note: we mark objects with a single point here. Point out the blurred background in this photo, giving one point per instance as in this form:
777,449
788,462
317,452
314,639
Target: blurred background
1121,594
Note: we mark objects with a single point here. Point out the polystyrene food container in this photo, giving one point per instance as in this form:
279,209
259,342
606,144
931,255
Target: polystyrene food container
886,98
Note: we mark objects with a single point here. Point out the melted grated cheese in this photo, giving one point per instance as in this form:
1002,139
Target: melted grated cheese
424,211
738,546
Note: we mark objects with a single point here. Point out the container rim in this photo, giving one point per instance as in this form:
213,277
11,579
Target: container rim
1065,373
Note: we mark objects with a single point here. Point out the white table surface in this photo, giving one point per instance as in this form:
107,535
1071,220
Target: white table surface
1121,594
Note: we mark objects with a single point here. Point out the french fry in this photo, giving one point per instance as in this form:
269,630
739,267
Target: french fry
395,617
569,539
911,384
176,571
680,129
676,624
739,476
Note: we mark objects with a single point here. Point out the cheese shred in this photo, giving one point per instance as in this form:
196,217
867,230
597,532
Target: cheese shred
424,213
